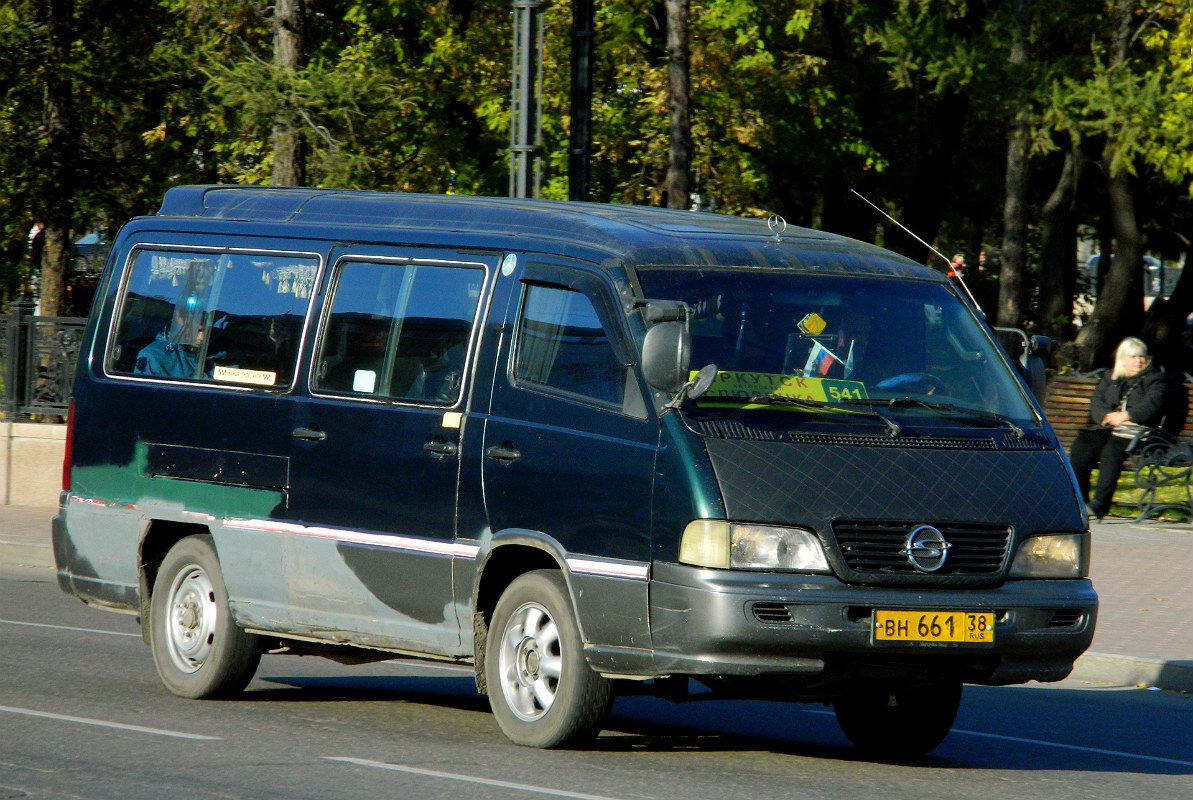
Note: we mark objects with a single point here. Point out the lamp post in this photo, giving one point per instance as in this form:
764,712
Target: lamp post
526,138
580,153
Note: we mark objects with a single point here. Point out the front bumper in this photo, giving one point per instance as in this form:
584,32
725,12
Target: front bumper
728,623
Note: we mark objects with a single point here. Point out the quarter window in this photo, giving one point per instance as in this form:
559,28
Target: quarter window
231,318
398,331
562,345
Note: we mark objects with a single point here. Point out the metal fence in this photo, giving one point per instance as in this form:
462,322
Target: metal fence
38,356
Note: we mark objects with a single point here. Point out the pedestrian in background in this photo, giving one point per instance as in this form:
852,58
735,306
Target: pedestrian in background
1129,395
957,266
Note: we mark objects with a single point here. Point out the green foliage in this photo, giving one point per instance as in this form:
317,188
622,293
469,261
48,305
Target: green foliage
1173,150
794,102
21,136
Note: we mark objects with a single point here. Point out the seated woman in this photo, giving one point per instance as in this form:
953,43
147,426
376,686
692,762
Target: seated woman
1131,392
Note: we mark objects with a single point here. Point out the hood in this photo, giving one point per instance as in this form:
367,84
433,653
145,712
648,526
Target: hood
858,496
813,484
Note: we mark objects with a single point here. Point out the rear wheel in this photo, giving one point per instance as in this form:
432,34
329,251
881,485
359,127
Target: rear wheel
899,723
197,647
541,689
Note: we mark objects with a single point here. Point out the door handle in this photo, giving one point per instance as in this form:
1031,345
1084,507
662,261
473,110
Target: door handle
311,434
505,452
441,447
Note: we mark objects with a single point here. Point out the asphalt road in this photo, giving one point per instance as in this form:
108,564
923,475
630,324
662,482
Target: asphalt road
82,715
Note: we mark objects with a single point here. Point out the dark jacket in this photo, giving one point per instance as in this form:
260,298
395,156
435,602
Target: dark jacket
1144,396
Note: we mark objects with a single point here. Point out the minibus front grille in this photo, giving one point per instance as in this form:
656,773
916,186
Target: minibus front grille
877,548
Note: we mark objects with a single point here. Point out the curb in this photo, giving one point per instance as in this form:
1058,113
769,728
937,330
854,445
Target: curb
1133,671
1095,668
19,554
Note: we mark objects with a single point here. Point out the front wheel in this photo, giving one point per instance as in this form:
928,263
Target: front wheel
197,647
541,689
898,723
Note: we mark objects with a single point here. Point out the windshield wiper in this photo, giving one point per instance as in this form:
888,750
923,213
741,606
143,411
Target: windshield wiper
989,416
820,405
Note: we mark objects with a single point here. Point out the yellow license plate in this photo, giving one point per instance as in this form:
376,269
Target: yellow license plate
964,627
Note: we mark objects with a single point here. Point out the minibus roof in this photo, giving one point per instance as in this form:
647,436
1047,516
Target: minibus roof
640,235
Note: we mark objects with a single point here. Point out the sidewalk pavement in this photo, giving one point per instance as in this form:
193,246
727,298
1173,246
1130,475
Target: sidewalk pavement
1143,573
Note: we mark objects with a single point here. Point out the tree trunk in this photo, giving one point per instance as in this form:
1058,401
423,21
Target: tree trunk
1119,310
1014,216
1058,248
61,152
289,147
1164,325
679,129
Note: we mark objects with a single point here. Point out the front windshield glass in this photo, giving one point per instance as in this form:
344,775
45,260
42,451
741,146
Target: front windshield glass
898,347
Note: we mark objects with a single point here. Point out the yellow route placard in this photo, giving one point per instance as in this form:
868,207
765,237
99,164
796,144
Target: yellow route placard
751,384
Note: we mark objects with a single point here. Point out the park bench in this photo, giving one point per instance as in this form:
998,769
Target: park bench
1159,457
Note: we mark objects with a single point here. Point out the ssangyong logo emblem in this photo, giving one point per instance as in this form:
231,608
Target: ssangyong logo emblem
926,548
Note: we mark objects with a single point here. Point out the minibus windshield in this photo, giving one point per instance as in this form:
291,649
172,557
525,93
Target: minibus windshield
905,348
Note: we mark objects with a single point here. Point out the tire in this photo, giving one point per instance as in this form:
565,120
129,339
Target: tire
898,723
197,647
541,689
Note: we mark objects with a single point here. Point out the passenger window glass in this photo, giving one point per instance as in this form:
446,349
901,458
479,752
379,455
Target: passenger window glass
561,344
398,331
228,318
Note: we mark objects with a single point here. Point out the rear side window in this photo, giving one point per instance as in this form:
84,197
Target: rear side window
398,331
233,318
563,346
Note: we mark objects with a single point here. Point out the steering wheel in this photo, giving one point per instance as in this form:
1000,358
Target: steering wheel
914,383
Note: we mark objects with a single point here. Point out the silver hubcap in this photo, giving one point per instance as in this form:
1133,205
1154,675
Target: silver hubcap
190,623
531,662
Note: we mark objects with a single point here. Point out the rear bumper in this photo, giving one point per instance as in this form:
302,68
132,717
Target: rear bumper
725,623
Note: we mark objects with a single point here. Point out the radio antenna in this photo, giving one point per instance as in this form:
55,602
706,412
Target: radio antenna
905,229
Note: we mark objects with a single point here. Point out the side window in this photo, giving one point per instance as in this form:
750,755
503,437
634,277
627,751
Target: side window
562,345
229,318
398,331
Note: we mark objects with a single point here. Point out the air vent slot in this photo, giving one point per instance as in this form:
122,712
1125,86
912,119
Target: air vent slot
772,613
732,429
1066,618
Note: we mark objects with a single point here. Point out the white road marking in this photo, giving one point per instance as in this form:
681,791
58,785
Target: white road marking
451,776
1044,743
1078,748
28,712
67,628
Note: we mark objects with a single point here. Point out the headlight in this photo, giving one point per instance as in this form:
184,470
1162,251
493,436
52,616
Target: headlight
1063,555
727,545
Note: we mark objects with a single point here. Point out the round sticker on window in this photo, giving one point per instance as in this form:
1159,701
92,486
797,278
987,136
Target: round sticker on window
508,264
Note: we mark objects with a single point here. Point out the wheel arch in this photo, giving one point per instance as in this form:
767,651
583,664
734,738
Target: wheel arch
511,555
160,535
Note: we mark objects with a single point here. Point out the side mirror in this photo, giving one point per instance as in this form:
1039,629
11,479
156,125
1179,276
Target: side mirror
656,311
1030,362
703,381
1040,346
667,355
1036,377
